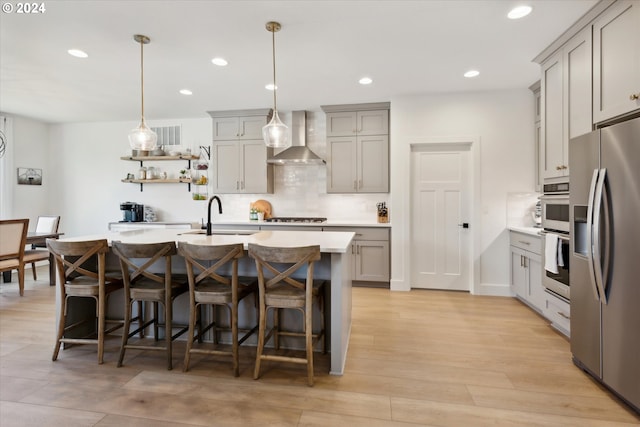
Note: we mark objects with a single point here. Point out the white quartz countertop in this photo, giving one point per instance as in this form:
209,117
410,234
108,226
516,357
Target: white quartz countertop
534,231
329,241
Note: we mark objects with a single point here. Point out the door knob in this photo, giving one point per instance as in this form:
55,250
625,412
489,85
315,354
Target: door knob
464,225
634,96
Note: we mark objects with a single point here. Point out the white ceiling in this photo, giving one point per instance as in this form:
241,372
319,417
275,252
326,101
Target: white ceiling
324,47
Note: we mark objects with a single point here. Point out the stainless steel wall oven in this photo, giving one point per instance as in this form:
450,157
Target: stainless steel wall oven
556,243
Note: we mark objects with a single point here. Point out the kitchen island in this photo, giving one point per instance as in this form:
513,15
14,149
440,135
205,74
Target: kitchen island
335,266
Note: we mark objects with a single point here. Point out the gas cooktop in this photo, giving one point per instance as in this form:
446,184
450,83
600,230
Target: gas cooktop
295,219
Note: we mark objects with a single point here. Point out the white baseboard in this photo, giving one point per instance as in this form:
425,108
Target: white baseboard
495,290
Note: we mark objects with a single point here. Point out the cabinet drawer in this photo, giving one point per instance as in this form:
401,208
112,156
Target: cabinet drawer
363,233
526,241
558,312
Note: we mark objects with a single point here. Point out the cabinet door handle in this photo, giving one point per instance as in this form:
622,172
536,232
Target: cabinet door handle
352,252
523,242
521,261
558,168
355,184
634,96
358,249
564,315
360,184
237,185
525,262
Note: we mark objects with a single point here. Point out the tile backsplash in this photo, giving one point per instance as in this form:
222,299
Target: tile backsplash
520,207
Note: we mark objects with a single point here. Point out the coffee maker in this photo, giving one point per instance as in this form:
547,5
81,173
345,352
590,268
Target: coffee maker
132,212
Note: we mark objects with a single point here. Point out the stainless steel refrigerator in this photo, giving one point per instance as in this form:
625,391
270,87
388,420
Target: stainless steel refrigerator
605,256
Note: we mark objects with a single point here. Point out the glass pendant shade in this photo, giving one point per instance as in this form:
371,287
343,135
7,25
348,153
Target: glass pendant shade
275,133
142,138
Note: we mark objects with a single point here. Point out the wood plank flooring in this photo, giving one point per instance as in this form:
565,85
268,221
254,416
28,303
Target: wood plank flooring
415,358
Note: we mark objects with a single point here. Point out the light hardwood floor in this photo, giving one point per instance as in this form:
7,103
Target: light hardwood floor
416,358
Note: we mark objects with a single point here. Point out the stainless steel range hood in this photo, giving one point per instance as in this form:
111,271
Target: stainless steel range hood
298,153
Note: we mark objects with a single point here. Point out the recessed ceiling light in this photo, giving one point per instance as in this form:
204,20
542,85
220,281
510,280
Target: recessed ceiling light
186,92
519,12
221,62
77,53
270,86
472,73
365,81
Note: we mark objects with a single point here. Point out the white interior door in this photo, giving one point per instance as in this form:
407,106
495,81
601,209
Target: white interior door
440,206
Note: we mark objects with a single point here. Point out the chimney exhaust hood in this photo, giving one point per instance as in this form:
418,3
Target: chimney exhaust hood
298,153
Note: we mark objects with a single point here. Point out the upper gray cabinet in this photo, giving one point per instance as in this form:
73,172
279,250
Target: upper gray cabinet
565,102
352,123
357,148
238,127
239,155
616,66
590,74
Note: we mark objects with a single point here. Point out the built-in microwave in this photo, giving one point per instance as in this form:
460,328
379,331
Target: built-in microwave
555,207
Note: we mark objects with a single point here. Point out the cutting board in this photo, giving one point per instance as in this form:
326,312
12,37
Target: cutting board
262,206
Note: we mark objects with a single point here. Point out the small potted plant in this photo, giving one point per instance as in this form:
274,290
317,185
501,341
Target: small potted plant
183,173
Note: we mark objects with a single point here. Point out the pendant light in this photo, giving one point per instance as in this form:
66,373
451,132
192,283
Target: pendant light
142,138
275,133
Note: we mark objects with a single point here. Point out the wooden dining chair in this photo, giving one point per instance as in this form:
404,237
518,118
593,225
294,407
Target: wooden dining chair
142,282
213,280
75,262
13,233
45,224
279,290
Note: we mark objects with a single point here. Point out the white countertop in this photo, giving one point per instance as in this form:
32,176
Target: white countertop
329,241
534,231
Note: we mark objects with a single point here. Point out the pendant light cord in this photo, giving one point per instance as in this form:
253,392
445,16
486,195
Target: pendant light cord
273,44
142,78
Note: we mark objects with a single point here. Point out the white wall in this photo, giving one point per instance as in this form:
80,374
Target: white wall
29,148
502,122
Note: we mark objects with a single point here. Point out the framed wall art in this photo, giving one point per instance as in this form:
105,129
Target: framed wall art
29,176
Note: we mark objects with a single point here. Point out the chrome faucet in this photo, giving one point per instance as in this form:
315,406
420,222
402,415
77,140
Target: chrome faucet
209,217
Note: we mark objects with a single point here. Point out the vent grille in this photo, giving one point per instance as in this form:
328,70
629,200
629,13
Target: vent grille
168,135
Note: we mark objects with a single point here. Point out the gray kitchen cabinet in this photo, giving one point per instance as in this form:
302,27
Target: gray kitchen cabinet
566,102
346,123
231,125
616,64
239,155
526,270
357,148
558,311
370,250
241,167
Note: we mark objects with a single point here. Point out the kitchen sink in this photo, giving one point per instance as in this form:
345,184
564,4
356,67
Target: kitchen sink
222,232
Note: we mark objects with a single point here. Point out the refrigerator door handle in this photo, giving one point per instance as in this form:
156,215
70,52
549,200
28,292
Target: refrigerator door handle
592,274
595,248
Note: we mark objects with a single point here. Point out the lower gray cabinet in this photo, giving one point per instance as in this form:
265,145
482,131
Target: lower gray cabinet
370,250
526,270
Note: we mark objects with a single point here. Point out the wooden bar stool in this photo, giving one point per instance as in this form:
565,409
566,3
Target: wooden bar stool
211,283
278,290
76,280
141,283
